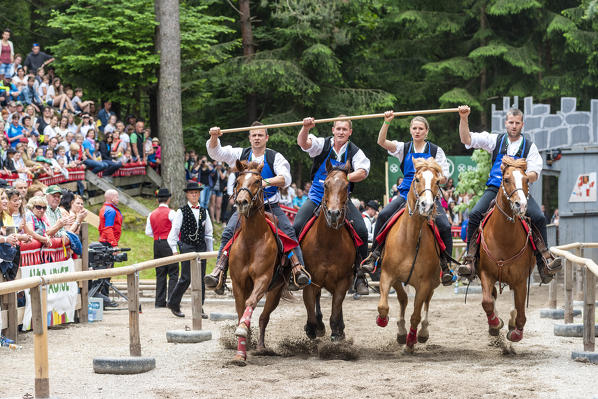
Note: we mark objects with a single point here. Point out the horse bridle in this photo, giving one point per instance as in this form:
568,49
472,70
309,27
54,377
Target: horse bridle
253,197
417,195
338,225
504,190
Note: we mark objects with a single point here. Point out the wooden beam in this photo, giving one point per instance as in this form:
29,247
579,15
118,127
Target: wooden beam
126,199
568,292
589,311
40,340
133,295
84,267
196,308
153,176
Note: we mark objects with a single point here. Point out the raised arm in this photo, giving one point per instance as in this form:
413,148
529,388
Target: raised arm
464,133
303,139
382,141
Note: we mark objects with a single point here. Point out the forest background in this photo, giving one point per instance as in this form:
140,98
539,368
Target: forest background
283,60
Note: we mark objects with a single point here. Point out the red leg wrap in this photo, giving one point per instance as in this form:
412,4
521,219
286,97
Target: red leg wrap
247,316
242,347
381,322
411,337
493,321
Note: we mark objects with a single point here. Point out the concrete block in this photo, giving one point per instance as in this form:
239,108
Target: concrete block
594,119
580,134
552,121
568,104
556,314
558,137
188,337
540,138
591,357
223,316
506,103
528,104
581,304
473,289
578,118
498,123
541,109
570,330
516,102
532,123
125,365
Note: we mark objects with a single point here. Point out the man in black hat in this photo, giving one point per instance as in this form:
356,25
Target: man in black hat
369,217
158,226
194,227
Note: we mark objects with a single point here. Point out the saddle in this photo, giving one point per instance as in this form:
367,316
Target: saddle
356,240
381,237
525,223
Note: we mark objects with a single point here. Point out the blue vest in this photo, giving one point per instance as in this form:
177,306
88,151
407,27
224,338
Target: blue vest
408,168
500,150
316,192
267,170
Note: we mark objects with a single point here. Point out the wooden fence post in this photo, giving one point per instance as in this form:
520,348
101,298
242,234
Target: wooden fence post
589,311
133,295
196,308
39,319
85,266
552,287
568,291
9,303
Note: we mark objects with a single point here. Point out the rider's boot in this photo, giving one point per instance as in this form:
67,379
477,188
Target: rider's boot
548,265
447,273
217,279
299,276
361,284
467,268
369,264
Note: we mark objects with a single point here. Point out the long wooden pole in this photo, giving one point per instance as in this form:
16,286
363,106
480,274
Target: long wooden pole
343,118
40,340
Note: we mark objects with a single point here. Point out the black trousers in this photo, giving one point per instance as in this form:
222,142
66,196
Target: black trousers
353,215
481,207
162,250
185,277
442,222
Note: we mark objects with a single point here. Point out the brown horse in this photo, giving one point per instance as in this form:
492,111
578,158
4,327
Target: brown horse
329,255
411,254
253,257
506,253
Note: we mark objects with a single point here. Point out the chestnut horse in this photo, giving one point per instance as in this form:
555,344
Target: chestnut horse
506,253
253,257
329,255
411,254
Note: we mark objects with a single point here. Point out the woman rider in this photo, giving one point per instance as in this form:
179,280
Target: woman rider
405,152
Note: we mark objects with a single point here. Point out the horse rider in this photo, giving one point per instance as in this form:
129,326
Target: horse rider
339,150
405,152
276,174
514,144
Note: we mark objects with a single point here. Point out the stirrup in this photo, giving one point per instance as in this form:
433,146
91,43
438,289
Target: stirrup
304,278
553,265
370,264
467,268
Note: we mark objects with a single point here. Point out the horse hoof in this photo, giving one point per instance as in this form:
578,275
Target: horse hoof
492,330
382,322
241,331
239,360
515,335
402,339
320,332
409,349
422,339
337,338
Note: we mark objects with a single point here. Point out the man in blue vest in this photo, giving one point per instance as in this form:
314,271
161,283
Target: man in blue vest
275,173
514,144
339,150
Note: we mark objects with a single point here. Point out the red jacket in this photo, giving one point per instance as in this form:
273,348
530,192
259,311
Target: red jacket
111,221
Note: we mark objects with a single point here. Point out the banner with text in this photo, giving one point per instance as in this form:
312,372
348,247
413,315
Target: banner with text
62,298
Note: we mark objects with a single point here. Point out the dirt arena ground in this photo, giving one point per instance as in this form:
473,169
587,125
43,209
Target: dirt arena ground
459,360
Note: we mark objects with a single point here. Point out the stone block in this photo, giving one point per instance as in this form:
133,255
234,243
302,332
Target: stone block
594,119
541,109
552,121
558,137
532,123
585,357
540,138
516,102
498,123
578,118
580,134
506,103
568,104
528,104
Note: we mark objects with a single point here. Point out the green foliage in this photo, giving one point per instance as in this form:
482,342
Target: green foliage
474,181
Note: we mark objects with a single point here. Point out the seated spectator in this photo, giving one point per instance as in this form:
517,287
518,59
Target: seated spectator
106,155
86,125
20,80
51,130
122,135
62,128
16,210
78,104
19,163
21,186
31,112
73,128
126,158
56,220
154,159
299,199
37,189
36,224
29,95
56,97
89,145
44,163
30,133
73,204
147,144
15,132
285,197
42,88
68,140
104,114
111,125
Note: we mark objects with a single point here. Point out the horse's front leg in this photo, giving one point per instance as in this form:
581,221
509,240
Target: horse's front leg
386,281
403,300
424,334
272,301
488,303
518,314
337,324
260,285
309,300
421,294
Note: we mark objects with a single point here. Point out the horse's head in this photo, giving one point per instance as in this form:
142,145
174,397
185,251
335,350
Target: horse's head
515,184
248,192
425,185
336,194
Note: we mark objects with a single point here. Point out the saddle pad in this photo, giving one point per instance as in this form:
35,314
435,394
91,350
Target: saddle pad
381,237
356,240
434,229
526,227
287,242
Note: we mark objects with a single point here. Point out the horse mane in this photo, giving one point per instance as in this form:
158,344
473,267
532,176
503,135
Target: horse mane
427,163
520,163
248,166
340,168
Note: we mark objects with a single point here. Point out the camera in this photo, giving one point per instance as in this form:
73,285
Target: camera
103,257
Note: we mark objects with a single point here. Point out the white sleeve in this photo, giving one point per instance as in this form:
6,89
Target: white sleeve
317,145
230,183
171,215
484,140
226,154
208,231
148,228
441,159
360,161
282,168
173,236
534,160
398,154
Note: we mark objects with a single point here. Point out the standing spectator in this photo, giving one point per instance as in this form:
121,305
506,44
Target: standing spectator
56,220
77,211
228,202
158,226
104,114
137,141
154,159
122,134
218,187
37,59
16,210
111,219
78,104
147,144
555,217
369,217
131,121
7,53
285,197
194,227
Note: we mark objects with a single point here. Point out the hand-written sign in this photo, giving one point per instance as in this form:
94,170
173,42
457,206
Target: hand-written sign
584,189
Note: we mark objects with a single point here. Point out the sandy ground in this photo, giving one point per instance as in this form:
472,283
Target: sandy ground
460,360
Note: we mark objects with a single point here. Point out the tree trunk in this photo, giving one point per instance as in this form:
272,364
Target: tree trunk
248,52
170,122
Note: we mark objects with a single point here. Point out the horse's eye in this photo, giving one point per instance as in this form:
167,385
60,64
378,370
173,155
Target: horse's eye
416,180
507,180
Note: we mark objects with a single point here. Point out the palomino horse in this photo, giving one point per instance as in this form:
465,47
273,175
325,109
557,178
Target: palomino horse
411,254
506,253
253,257
329,255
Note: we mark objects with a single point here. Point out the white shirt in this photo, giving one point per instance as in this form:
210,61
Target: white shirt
173,236
148,226
360,161
230,184
487,141
440,156
50,132
231,154
369,225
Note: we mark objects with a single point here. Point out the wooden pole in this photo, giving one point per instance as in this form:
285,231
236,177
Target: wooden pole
568,292
196,308
133,295
552,287
589,311
387,193
579,283
40,340
343,118
85,266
